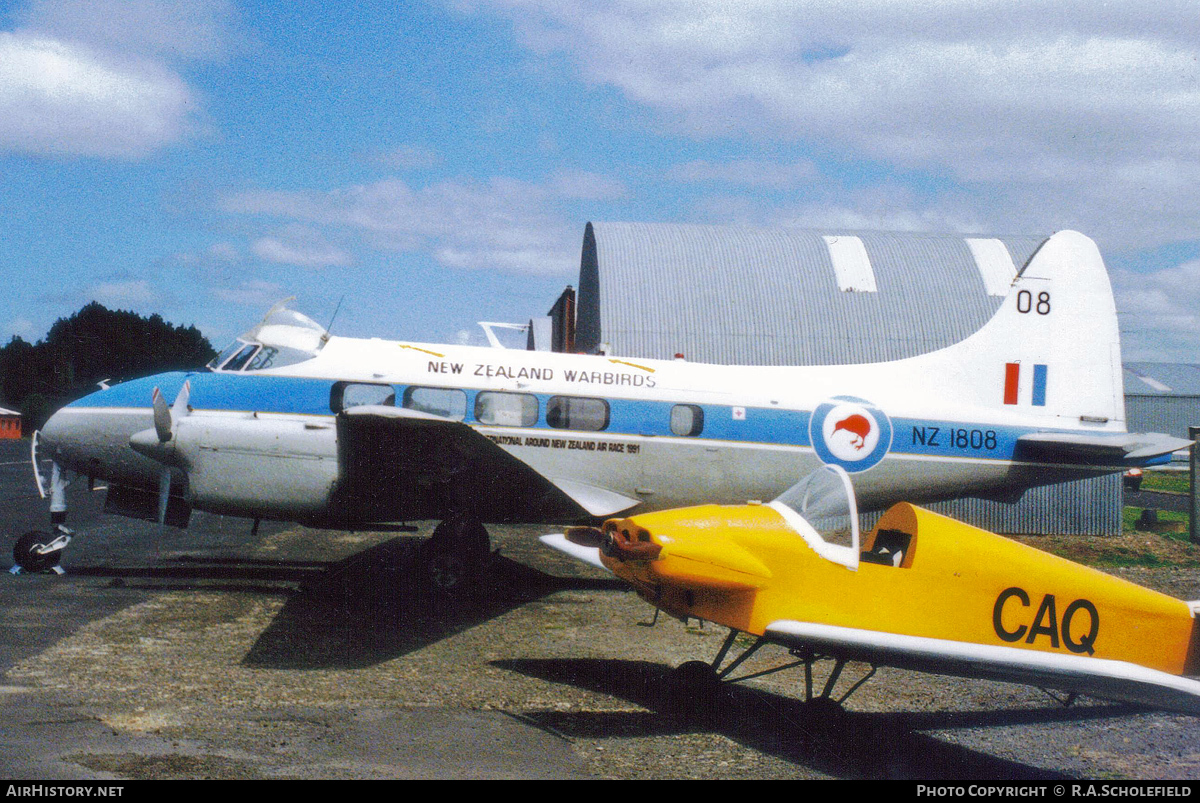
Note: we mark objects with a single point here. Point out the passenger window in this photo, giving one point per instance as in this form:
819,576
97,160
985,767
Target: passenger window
571,412
356,394
446,402
506,409
687,420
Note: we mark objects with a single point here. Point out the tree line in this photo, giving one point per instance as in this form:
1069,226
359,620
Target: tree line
93,345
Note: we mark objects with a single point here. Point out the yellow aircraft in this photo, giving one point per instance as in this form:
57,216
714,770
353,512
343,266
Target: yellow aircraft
921,591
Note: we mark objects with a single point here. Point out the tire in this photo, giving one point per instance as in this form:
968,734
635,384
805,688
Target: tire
465,535
448,571
692,692
28,559
824,710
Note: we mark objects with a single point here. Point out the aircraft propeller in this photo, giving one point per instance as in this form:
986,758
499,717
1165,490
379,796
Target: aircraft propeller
615,542
592,537
165,421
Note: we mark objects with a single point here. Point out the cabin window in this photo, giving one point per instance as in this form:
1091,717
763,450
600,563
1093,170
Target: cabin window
687,420
506,409
446,402
573,412
356,394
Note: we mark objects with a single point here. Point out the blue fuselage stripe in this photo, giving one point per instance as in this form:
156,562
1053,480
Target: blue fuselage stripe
304,396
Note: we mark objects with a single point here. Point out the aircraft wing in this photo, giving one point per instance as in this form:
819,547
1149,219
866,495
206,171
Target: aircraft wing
1103,678
400,463
1103,448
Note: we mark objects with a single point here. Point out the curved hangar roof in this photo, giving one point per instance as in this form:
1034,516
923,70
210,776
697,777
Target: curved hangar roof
787,296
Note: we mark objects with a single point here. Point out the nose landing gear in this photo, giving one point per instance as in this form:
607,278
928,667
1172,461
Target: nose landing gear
38,551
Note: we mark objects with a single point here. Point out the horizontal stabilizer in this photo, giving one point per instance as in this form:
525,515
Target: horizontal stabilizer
1097,677
588,554
1097,448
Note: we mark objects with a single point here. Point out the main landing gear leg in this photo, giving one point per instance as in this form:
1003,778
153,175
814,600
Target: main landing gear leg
37,551
696,683
455,557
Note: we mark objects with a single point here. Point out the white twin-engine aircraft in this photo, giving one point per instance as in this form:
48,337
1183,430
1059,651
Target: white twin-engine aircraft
293,424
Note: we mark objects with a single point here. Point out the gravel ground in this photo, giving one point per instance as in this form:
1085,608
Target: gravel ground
279,678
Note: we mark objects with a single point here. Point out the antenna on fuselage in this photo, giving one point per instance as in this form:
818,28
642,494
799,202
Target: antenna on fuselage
329,328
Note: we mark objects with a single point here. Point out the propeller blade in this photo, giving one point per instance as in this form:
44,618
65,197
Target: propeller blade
164,494
586,536
180,408
162,417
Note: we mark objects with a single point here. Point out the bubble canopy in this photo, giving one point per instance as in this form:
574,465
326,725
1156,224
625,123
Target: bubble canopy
823,509
283,337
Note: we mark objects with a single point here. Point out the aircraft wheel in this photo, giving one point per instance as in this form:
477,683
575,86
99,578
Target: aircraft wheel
692,691
464,535
446,573
449,570
26,556
697,675
824,709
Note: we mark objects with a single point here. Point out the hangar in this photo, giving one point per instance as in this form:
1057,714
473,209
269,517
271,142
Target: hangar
756,296
1162,397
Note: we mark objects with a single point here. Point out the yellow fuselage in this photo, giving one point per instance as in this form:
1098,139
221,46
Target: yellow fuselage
744,567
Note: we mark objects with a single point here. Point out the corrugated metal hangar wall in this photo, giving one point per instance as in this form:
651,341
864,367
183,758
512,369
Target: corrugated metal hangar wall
791,297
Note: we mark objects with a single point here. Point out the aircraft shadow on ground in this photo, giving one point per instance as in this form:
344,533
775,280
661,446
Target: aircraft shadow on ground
848,744
374,606
211,574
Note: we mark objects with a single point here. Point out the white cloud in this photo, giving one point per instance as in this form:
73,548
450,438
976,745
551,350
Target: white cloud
755,173
410,157
99,78
1159,312
252,293
301,247
131,293
581,185
172,29
224,252
1054,112
63,99
501,224
19,327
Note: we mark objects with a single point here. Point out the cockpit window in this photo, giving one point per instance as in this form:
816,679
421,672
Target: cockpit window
229,351
284,337
264,359
243,356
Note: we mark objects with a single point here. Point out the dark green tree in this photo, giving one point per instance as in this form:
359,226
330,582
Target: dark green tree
92,345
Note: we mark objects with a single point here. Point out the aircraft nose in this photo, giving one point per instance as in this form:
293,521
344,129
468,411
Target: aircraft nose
54,432
93,439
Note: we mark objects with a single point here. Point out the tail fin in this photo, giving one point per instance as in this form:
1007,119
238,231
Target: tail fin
1053,348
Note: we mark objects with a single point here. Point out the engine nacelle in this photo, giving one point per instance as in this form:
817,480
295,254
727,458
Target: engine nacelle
269,467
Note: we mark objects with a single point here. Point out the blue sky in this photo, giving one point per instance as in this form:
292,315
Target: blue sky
434,164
